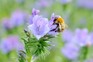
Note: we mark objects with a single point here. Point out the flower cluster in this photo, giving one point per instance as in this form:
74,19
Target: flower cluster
11,43
85,3
40,26
74,43
40,31
16,19
43,4
34,12
65,1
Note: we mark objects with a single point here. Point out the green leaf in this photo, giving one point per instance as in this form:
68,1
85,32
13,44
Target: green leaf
22,56
83,53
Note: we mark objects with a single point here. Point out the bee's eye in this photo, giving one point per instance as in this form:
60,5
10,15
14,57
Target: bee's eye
55,19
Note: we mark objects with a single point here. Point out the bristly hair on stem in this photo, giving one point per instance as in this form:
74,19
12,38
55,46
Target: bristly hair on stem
35,47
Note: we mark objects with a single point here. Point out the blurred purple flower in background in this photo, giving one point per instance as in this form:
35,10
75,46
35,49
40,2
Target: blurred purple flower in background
75,41
20,1
34,12
65,1
70,51
7,24
11,43
89,60
18,17
85,3
40,26
90,39
43,3
81,36
67,35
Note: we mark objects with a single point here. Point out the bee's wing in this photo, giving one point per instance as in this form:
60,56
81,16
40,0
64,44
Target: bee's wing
66,26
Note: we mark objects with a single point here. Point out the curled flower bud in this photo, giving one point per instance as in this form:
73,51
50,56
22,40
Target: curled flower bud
34,12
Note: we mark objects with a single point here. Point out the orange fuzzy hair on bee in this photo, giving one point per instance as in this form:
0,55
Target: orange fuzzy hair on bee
60,20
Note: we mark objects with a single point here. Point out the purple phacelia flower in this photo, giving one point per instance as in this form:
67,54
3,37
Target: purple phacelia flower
65,1
43,3
90,39
34,12
40,26
70,51
18,18
81,37
11,43
76,41
7,24
67,35
85,3
52,32
89,60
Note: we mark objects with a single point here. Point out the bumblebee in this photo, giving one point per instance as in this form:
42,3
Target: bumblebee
60,24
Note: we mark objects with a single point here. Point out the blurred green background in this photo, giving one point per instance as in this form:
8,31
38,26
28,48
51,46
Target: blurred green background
74,14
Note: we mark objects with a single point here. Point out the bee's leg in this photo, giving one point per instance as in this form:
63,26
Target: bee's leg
55,28
63,28
58,29
54,21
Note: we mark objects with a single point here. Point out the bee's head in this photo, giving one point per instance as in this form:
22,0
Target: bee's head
58,19
55,19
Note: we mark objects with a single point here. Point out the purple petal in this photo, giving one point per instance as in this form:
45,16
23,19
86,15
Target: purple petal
11,43
35,12
40,26
81,36
7,23
18,17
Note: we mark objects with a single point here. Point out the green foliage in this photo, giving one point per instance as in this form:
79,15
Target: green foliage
83,53
38,48
22,56
74,16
